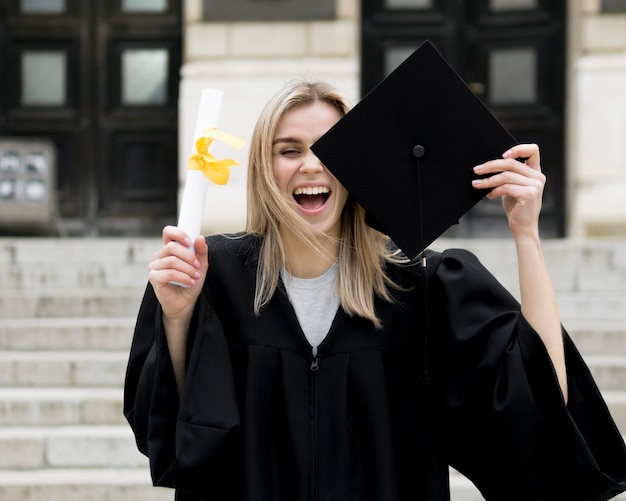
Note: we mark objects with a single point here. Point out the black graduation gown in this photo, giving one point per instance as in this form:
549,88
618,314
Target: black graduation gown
261,419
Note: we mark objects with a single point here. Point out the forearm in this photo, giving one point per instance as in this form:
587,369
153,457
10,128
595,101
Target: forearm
176,333
539,304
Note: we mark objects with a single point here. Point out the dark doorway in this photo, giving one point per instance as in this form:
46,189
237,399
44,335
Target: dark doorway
99,78
512,55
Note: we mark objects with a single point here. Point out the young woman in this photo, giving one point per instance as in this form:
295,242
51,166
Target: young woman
308,359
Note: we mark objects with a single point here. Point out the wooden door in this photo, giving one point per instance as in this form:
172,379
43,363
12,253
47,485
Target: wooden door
101,80
511,53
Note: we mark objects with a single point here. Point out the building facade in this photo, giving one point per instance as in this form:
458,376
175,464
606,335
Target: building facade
552,72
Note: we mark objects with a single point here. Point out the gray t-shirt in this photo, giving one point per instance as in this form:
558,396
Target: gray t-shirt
315,302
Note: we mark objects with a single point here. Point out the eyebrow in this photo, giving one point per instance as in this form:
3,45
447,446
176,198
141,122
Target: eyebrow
285,140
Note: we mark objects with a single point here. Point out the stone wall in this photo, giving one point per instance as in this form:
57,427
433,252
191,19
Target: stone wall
597,164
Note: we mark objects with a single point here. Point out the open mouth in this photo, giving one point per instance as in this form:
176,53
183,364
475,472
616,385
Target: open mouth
311,197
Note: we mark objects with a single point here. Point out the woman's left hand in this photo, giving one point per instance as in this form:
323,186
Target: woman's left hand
519,183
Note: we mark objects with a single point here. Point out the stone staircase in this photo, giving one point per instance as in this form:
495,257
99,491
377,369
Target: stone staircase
67,311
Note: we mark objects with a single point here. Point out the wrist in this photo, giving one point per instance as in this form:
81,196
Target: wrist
178,321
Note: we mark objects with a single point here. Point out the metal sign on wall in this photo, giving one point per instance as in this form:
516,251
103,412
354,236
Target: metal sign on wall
27,180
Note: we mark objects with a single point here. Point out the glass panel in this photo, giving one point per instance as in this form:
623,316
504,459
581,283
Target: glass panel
613,6
513,76
9,166
396,56
269,10
42,6
498,5
44,78
144,76
144,5
35,164
9,162
8,188
408,4
35,190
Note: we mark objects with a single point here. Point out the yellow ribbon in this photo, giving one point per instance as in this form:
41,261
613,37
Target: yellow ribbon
214,169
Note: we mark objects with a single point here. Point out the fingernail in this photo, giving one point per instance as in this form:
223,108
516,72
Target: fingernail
477,182
478,168
188,241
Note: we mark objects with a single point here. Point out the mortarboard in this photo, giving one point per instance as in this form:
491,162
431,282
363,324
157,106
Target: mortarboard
405,152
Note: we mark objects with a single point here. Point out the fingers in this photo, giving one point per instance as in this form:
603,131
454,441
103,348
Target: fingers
506,179
201,249
519,165
530,152
176,260
518,187
176,234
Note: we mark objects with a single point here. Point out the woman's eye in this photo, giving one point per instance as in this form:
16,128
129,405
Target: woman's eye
290,152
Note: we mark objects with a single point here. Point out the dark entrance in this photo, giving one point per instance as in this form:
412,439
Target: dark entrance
99,78
511,53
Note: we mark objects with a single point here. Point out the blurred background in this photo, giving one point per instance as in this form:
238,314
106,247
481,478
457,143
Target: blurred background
98,102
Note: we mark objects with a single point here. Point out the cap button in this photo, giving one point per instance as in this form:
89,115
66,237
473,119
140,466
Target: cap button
418,151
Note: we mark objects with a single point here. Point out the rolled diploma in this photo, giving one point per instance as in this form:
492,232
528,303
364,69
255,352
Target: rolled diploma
197,184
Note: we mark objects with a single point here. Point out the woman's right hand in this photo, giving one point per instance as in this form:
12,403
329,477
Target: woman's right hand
176,262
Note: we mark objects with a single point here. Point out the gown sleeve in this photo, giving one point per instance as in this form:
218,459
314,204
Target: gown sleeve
187,439
498,413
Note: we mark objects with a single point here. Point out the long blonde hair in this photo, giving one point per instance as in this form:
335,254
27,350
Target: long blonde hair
363,251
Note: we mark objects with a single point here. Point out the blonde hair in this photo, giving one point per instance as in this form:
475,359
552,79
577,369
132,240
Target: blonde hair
363,251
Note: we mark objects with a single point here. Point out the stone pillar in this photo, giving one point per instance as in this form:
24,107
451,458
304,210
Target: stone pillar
597,159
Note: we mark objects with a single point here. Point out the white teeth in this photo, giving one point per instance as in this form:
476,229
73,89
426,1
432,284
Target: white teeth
315,190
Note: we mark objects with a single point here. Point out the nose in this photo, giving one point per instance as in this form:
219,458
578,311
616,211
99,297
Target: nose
311,163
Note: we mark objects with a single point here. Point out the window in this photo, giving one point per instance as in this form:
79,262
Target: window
500,5
44,78
144,76
42,6
613,5
267,10
136,6
513,76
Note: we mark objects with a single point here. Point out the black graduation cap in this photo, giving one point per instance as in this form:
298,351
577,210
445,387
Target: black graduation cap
407,149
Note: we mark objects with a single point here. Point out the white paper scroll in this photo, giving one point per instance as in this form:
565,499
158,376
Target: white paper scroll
196,183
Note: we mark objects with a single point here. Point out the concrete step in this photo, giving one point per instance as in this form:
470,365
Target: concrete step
132,485
461,489
58,263
616,402
587,265
33,448
592,307
115,333
39,406
93,483
66,275
597,337
83,302
609,371
67,334
61,406
591,265
71,368
81,484
107,368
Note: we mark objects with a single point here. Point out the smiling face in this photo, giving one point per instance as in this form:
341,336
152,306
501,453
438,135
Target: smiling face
311,189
